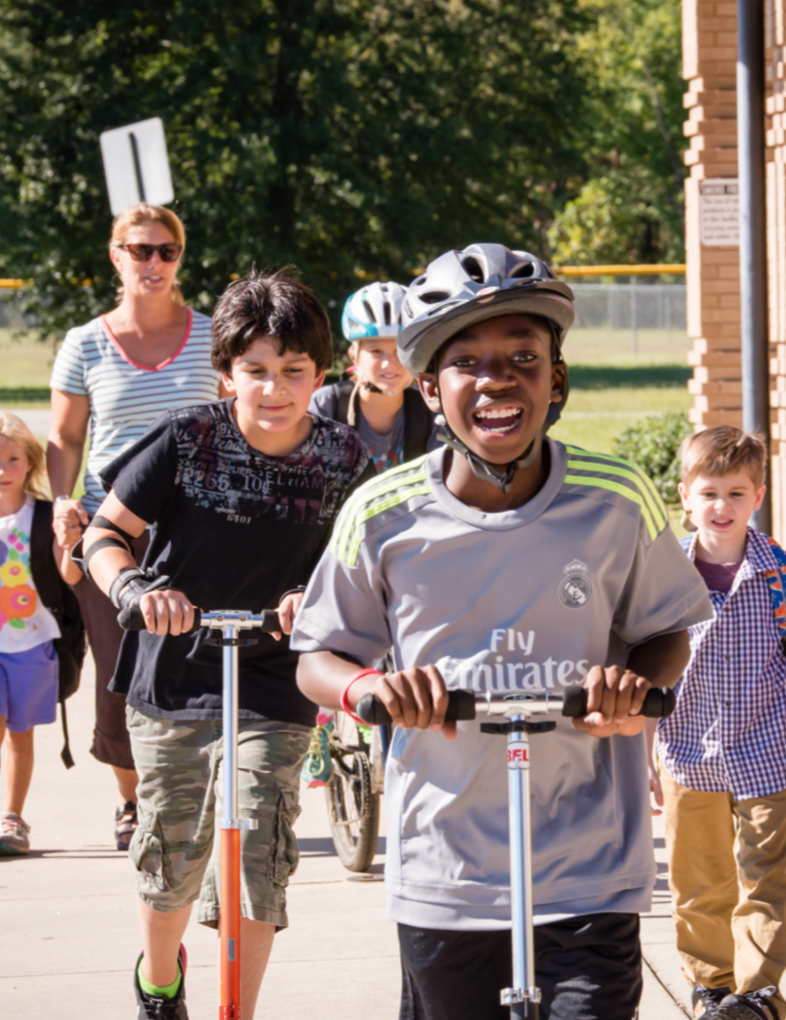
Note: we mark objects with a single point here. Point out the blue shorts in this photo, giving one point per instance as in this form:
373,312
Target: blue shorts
28,687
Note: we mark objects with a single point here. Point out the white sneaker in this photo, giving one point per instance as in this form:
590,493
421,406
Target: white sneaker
14,838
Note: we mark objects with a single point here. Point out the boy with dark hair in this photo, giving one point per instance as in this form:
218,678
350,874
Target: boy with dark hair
721,754
241,495
505,561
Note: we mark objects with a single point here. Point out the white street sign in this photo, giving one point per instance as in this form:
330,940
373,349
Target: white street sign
136,165
719,212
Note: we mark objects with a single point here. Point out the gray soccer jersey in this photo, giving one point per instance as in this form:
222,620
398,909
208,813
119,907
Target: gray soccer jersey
521,600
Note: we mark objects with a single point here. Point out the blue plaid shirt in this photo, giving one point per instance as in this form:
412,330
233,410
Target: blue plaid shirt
728,731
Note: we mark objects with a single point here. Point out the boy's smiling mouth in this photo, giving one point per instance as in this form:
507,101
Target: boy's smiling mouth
497,419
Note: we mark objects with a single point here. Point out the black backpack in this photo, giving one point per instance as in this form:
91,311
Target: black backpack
418,420
60,600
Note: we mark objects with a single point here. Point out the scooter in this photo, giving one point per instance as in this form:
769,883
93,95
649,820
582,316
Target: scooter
230,622
518,710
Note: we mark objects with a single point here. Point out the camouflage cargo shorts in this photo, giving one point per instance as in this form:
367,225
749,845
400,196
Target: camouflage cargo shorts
180,797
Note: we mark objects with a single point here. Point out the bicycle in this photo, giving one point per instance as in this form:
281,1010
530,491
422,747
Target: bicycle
354,791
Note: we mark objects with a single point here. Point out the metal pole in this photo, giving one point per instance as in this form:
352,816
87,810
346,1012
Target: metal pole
525,1000
230,725
753,226
229,922
634,315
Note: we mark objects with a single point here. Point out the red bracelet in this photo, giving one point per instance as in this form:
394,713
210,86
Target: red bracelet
345,692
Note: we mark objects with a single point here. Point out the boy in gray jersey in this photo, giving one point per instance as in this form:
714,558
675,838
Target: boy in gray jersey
505,561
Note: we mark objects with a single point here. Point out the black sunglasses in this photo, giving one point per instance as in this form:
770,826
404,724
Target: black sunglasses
169,252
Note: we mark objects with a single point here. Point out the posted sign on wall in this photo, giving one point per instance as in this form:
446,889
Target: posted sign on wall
719,211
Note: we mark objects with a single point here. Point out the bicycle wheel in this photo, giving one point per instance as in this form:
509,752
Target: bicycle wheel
353,808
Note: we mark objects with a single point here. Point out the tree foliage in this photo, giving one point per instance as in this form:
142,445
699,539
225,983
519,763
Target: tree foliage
353,137
629,206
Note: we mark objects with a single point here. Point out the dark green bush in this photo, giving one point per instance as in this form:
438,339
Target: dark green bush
653,443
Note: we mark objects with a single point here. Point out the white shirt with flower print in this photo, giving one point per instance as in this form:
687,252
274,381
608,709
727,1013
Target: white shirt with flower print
24,621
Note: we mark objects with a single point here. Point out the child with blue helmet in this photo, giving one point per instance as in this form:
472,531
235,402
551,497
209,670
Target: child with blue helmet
378,399
389,414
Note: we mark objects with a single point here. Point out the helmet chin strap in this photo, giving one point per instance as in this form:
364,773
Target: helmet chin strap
375,389
481,468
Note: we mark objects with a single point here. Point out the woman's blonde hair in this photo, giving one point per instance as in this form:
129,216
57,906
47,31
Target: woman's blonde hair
14,428
144,213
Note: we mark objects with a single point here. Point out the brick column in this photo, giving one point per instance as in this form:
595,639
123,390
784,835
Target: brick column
713,288
775,11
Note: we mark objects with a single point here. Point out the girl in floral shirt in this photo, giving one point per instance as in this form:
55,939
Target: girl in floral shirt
28,630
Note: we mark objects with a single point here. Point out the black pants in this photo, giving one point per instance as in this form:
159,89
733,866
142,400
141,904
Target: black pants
588,968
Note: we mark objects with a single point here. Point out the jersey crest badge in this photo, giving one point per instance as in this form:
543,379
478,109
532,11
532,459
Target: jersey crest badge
575,588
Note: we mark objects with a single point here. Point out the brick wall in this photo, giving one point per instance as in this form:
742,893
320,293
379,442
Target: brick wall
775,41
713,288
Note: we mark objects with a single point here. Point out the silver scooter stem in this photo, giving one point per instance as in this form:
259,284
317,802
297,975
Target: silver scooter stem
524,997
229,724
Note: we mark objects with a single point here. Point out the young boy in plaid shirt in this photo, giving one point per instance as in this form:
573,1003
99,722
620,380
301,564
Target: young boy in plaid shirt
721,754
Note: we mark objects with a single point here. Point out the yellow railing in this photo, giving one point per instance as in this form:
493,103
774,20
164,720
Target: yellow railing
675,269
11,284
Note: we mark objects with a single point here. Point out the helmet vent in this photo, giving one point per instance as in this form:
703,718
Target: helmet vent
386,312
523,271
474,269
434,297
369,312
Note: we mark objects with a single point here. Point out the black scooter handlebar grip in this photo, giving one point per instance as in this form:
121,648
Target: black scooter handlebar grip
270,621
461,705
659,703
131,618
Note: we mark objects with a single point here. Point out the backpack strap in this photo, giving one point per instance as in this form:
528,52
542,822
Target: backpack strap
46,577
418,424
776,582
342,393
62,603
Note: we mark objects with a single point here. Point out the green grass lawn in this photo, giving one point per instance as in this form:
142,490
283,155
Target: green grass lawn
610,387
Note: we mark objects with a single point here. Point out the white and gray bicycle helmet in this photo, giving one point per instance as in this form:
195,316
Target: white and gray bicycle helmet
374,310
460,287
463,287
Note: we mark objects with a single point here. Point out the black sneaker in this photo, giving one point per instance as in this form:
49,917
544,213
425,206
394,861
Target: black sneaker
704,1001
749,1005
156,1007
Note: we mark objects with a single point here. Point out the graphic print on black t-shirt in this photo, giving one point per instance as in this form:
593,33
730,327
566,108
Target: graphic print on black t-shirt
307,487
233,529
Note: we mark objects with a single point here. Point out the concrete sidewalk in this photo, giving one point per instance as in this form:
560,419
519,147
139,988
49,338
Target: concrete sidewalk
69,927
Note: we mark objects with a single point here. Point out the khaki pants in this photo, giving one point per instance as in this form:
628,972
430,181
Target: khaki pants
727,873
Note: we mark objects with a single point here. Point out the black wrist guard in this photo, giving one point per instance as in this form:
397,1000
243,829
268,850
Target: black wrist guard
131,584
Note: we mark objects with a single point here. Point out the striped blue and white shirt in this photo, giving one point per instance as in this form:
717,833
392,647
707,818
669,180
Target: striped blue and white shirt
728,732
125,397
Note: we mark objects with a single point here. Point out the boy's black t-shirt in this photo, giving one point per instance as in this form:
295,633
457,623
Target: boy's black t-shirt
233,529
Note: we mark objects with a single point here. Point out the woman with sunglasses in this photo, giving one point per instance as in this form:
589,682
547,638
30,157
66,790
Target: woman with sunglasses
114,376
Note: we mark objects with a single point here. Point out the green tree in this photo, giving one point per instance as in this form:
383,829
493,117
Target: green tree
353,137
628,205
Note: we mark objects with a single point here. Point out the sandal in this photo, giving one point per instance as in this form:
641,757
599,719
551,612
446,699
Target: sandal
126,822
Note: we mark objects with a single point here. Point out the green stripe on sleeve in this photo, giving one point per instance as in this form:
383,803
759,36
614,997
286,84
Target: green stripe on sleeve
622,490
653,507
347,532
648,482
372,511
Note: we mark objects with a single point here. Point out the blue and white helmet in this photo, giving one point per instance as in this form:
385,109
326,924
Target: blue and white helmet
374,310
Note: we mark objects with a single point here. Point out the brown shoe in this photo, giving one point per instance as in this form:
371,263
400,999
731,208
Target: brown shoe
126,823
